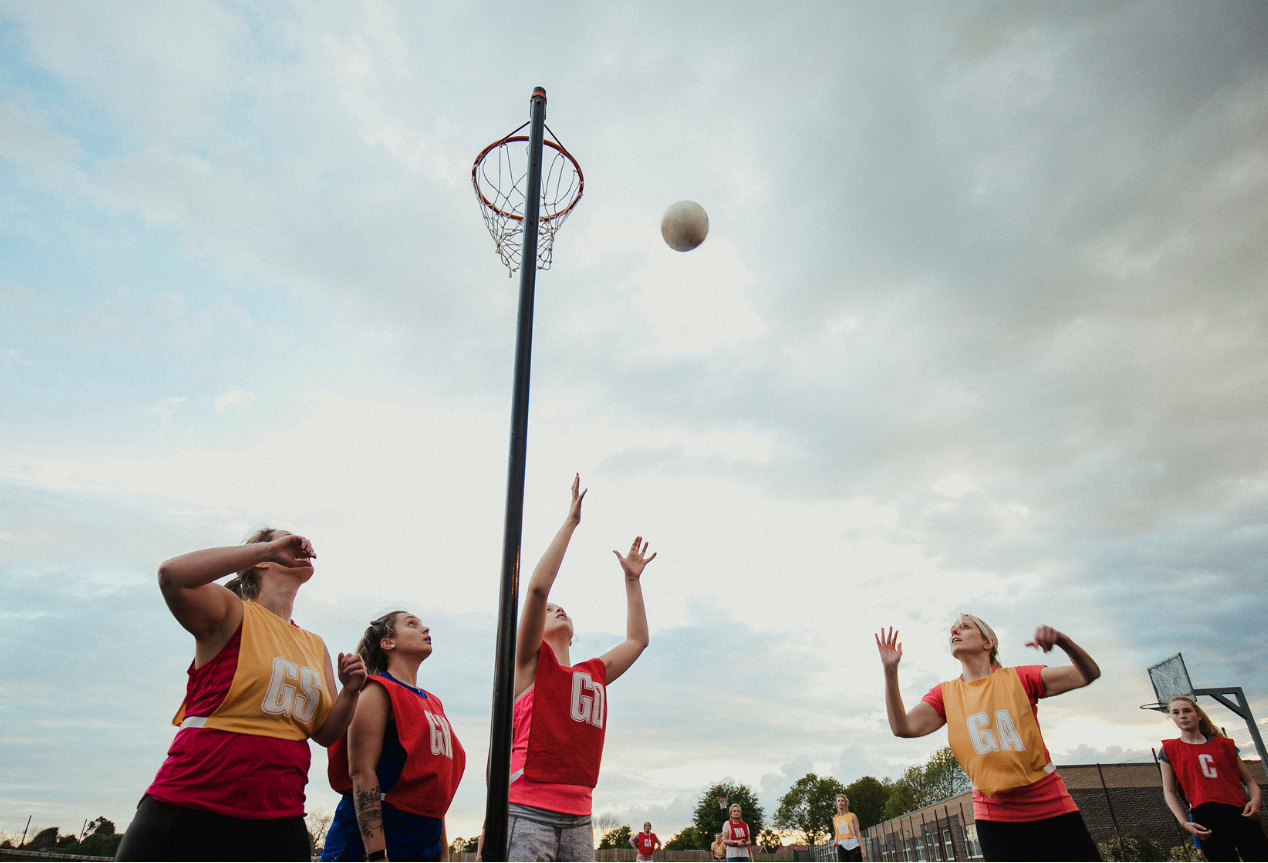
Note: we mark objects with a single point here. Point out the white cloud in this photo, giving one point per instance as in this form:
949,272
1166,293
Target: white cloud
240,398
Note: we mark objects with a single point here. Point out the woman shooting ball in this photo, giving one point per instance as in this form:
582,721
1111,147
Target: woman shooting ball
560,711
1022,808
1223,799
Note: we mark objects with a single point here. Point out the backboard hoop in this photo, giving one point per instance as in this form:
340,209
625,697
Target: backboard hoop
1169,678
721,802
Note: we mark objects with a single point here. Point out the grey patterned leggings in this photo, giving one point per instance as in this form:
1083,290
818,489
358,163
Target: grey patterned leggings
538,835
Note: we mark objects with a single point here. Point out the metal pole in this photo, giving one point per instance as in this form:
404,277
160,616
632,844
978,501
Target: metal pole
1110,804
1242,709
496,804
24,829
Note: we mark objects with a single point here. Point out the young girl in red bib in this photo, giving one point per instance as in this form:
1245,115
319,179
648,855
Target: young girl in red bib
400,763
232,787
645,843
1020,804
1223,798
560,712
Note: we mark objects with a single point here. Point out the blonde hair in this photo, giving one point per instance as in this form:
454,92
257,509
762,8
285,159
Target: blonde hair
1206,727
246,584
846,799
987,633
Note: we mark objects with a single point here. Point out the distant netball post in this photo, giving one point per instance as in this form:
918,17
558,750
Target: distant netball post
522,208
1171,678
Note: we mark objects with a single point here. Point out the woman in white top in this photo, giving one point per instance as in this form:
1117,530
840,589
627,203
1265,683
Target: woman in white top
845,825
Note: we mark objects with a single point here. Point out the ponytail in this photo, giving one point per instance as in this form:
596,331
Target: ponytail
371,647
1206,727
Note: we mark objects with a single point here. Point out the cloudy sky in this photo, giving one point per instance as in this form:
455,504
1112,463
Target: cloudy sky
979,325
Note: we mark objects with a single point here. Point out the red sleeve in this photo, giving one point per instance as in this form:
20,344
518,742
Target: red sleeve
934,699
1032,680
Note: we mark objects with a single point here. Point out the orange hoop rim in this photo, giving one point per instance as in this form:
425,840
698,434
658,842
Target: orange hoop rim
510,139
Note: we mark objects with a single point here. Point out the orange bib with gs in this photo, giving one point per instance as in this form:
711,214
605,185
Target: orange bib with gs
278,689
992,731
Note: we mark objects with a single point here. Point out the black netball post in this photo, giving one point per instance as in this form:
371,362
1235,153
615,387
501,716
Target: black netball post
522,211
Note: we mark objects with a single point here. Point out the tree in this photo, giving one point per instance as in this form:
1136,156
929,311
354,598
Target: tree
100,844
708,817
943,777
868,796
464,846
770,841
808,807
318,825
689,839
45,840
905,794
618,838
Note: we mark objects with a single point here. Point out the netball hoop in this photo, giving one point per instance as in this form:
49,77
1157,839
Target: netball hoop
500,177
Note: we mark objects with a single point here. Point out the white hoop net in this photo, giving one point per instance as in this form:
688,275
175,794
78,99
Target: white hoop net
500,177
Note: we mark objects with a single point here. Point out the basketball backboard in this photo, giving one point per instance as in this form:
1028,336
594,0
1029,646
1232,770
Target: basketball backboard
1169,678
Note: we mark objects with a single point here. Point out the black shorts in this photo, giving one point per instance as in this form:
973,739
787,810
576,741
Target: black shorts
851,854
162,832
1231,833
1062,838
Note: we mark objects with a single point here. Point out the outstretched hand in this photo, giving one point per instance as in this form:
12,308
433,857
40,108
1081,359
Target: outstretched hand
574,511
291,550
352,672
1045,639
890,647
634,562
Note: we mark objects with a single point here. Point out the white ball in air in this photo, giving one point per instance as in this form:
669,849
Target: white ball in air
684,226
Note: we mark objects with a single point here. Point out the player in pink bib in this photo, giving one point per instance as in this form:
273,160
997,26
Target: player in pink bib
1223,810
560,712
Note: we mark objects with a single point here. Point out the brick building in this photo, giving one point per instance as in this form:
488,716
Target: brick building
1122,798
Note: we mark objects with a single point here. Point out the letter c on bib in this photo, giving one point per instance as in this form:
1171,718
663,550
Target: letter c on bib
1207,763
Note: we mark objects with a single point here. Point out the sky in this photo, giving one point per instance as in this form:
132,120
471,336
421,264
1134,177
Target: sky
979,326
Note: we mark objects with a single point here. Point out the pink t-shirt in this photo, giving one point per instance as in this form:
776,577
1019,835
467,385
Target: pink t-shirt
555,797
240,775
1046,798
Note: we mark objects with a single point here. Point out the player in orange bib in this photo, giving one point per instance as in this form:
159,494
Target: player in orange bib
1223,798
1022,808
560,711
845,828
232,787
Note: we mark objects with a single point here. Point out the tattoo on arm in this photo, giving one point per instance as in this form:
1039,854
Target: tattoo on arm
369,811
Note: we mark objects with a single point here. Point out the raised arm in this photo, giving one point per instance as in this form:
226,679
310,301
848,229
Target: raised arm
922,719
528,639
208,611
365,745
618,660
1063,678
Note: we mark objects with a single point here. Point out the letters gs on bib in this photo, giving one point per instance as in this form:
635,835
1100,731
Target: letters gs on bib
282,697
985,741
587,699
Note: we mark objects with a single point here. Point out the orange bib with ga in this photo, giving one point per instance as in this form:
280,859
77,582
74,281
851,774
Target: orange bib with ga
278,688
992,731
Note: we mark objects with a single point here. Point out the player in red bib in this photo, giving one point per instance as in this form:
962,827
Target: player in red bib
560,711
736,836
232,787
1204,764
645,843
1020,804
400,763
